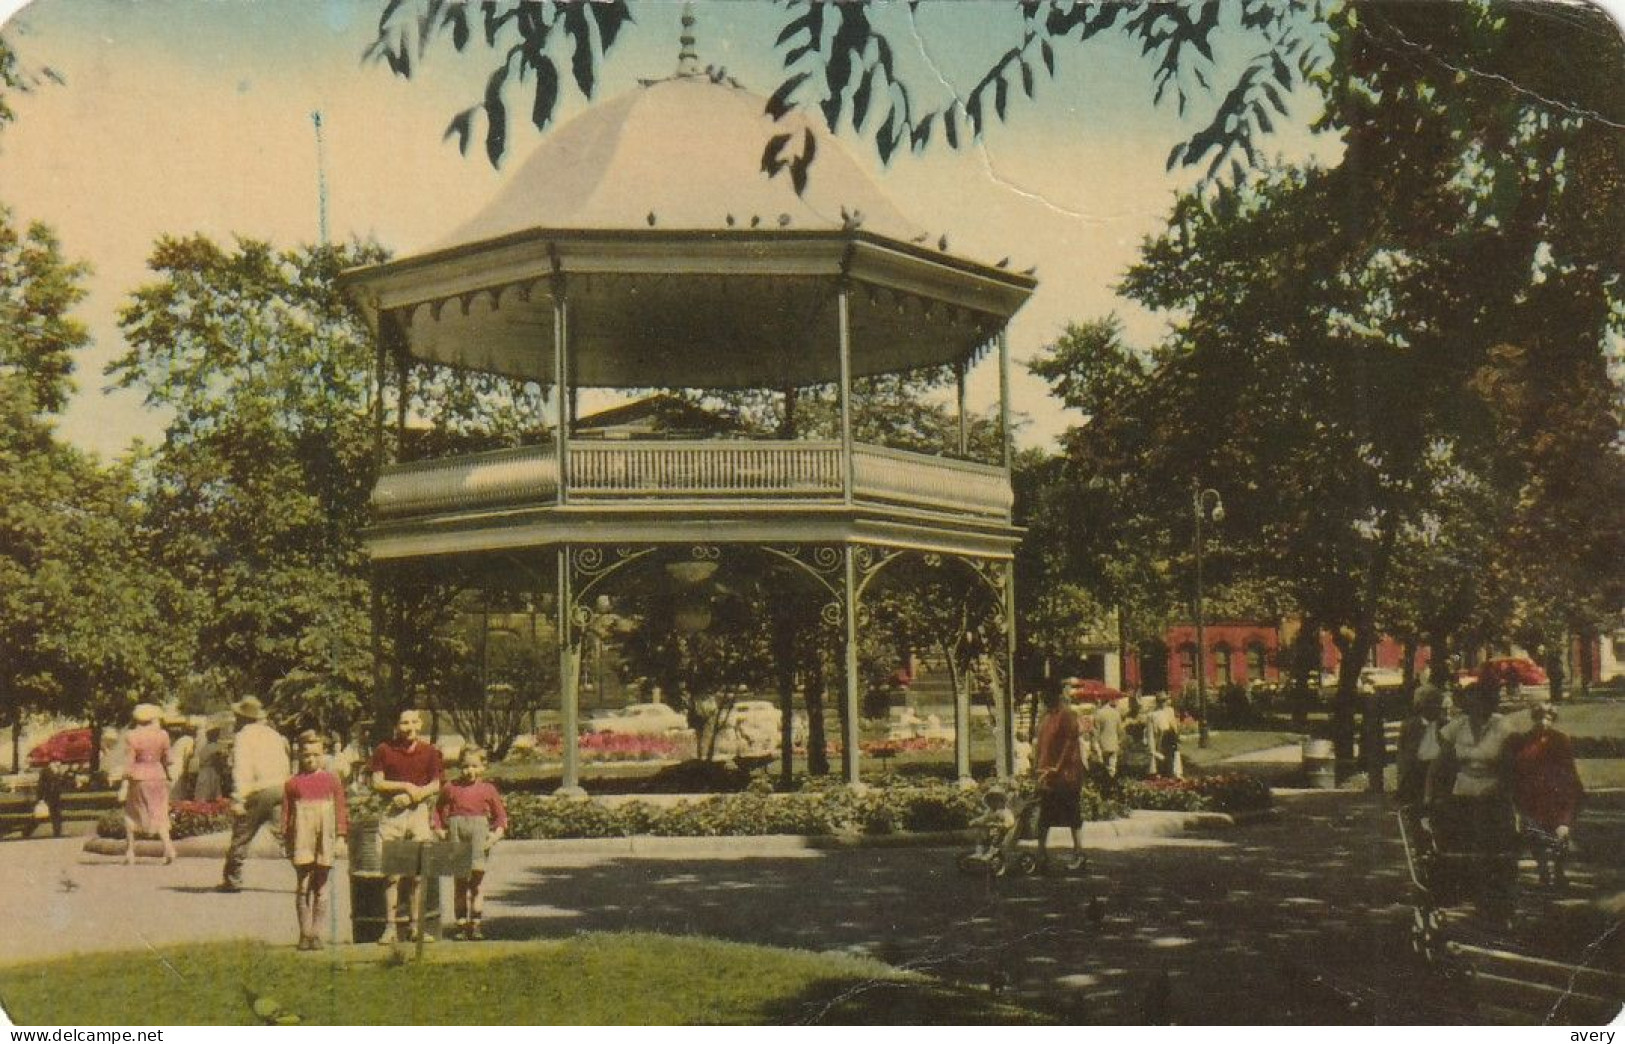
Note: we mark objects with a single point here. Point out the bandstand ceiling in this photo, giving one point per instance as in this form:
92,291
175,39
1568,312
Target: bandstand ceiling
683,264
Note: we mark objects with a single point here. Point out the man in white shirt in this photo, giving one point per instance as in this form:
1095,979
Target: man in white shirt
259,767
1109,736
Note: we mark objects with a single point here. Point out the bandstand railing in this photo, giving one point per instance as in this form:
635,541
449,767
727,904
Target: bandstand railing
725,470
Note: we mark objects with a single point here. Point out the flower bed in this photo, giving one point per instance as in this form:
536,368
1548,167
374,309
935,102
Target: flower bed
822,809
611,746
1229,793
186,819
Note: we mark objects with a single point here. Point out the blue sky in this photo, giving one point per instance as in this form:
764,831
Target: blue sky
183,116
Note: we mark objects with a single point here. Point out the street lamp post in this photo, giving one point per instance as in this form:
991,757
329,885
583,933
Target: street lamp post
1199,502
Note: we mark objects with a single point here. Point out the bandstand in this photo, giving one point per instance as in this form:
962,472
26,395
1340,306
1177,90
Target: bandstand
641,246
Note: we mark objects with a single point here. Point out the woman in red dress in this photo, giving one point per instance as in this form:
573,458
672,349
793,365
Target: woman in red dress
1060,776
1546,788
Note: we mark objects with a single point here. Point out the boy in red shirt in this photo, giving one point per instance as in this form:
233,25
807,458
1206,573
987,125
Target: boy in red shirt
313,819
470,809
408,772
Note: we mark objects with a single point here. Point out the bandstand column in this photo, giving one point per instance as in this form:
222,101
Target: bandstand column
569,677
1007,444
1007,697
849,740
561,385
843,303
962,729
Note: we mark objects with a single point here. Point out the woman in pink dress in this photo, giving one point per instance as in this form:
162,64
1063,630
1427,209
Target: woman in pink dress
145,788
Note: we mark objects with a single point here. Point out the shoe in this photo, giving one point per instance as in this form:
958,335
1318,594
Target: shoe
228,887
474,933
1078,863
306,943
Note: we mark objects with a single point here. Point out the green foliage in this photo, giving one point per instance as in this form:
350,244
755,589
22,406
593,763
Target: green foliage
261,485
1229,793
578,981
817,810
186,819
840,59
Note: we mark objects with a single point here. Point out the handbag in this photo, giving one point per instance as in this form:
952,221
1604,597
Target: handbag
42,811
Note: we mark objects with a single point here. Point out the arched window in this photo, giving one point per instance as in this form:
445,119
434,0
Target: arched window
1221,664
1257,660
1187,663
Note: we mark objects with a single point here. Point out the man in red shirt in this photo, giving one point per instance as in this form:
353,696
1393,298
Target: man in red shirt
406,771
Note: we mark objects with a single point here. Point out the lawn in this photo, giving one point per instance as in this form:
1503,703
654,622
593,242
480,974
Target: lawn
619,979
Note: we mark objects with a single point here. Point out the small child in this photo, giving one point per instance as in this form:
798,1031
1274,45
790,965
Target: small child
313,817
995,826
470,809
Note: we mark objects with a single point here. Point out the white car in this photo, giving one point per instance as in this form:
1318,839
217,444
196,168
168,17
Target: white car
642,719
758,714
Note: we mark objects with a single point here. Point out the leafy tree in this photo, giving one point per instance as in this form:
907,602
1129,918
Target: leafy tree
117,633
840,59
490,669
1330,324
38,337
261,485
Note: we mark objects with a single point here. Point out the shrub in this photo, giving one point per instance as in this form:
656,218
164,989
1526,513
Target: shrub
821,810
186,819
1227,793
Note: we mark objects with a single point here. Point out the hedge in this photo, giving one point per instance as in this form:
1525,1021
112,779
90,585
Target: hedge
819,810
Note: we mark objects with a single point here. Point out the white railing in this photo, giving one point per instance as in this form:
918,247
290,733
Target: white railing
899,476
704,469
713,470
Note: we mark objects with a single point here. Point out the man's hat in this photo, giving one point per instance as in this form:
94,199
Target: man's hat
249,707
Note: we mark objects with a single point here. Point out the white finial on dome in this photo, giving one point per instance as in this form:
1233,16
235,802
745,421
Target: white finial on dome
688,59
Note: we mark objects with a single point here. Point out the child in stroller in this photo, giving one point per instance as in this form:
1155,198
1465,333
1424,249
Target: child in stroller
1001,826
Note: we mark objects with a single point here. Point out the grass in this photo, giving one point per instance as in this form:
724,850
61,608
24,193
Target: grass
620,979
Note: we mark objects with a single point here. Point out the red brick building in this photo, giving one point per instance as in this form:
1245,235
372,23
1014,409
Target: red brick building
1237,651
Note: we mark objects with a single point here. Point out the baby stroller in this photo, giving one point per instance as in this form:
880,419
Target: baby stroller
1448,879
1006,822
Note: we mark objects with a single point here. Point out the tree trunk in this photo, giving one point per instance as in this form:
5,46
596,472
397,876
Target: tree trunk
1305,660
841,713
784,651
1438,660
817,743
1351,661
1408,668
1557,655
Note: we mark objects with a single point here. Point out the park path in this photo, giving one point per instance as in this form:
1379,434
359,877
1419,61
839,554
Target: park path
1299,918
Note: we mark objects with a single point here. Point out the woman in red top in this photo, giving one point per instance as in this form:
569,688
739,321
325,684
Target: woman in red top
313,817
1059,765
1546,788
145,787
471,810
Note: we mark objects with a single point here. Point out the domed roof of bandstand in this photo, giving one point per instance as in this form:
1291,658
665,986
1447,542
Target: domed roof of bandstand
686,150
686,264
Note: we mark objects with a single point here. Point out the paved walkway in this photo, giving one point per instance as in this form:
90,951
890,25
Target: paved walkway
1301,918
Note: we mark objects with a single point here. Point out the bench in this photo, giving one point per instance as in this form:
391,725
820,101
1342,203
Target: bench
1522,990
17,811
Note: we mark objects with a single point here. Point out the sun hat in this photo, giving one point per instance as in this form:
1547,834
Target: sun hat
249,707
146,713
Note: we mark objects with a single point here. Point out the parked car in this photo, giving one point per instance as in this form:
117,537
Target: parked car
758,714
71,747
643,719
